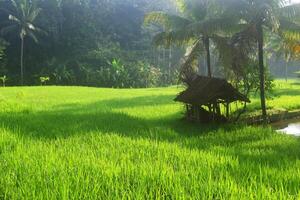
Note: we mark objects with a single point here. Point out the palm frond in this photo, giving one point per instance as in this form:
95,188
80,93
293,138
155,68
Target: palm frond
177,37
14,18
236,52
22,8
15,5
225,26
234,8
190,62
289,29
39,30
33,15
224,46
282,47
194,9
31,34
167,21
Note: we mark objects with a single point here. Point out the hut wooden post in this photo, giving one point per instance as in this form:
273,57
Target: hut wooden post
218,109
227,110
187,109
198,114
214,111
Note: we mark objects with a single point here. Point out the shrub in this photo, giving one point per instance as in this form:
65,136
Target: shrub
3,79
44,80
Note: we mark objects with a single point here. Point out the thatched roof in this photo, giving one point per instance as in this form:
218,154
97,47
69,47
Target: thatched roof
205,90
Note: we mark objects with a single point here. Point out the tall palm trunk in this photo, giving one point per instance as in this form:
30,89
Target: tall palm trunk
260,42
170,64
207,49
286,71
21,60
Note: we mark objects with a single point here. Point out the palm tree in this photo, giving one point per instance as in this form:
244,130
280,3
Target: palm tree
23,16
200,21
265,15
282,48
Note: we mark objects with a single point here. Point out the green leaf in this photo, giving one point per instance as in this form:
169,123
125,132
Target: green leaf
168,22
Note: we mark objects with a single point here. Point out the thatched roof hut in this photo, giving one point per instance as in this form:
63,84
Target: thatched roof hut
210,92
205,90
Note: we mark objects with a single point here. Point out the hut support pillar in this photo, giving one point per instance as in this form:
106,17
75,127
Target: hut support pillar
198,114
214,112
187,109
218,109
227,110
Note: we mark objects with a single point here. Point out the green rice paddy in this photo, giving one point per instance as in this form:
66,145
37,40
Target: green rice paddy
89,143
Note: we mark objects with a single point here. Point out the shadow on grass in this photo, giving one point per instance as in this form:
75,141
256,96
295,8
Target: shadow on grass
288,92
296,83
116,103
70,120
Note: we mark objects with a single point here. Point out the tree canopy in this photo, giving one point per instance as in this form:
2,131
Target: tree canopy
82,40
106,43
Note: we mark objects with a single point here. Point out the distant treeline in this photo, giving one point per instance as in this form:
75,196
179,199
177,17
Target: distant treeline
87,42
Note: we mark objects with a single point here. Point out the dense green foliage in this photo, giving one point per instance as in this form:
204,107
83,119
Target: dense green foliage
88,143
82,40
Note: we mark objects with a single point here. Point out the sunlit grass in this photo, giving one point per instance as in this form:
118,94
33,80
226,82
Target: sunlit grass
284,96
88,143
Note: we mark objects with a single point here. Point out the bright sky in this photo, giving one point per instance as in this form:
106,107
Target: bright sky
295,1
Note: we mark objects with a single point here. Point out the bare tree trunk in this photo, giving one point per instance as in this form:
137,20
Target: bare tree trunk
155,59
286,71
164,61
227,110
170,64
158,58
206,43
21,60
261,71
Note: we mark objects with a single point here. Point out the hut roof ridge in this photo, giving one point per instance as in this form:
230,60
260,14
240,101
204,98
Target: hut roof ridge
205,90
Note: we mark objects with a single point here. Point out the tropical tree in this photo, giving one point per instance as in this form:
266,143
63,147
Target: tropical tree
284,49
22,18
200,22
261,16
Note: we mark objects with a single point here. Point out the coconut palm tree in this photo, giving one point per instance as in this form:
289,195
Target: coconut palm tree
282,48
200,21
22,19
275,16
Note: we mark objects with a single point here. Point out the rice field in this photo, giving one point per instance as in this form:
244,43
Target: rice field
93,143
